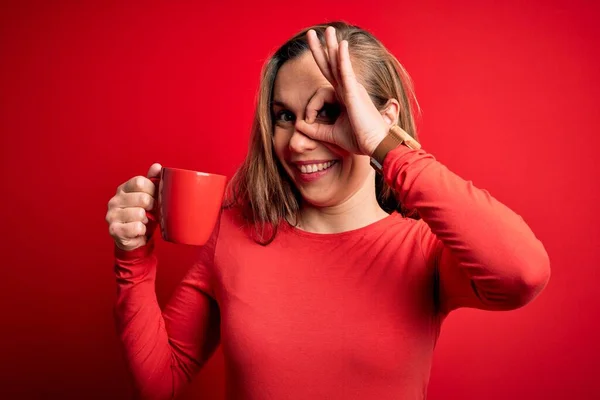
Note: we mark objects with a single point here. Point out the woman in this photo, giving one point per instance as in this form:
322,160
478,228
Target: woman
316,281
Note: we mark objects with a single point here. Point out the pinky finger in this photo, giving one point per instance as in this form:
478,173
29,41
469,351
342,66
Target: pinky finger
128,230
130,244
135,229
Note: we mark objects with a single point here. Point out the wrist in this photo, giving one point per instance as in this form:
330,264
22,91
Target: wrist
375,141
139,253
396,137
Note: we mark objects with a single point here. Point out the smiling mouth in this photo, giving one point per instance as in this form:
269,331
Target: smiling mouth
313,168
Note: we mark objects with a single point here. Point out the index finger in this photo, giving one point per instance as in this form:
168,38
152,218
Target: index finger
139,184
323,95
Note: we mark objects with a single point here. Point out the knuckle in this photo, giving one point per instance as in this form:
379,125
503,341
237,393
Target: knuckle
130,230
129,243
144,200
112,229
132,184
139,182
112,203
148,201
108,217
137,214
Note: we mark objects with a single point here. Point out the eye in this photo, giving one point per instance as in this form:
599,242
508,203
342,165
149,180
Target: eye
329,112
284,116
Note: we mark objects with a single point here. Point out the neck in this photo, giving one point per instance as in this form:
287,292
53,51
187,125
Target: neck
359,210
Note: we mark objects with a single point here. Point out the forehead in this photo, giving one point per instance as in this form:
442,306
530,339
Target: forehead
297,80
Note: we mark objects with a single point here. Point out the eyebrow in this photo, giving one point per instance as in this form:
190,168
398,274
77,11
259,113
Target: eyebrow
282,104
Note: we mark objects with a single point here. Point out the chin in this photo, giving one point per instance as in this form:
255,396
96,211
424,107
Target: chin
318,199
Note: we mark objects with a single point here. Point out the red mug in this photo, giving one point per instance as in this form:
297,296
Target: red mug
189,204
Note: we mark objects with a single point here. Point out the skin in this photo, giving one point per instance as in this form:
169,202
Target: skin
323,112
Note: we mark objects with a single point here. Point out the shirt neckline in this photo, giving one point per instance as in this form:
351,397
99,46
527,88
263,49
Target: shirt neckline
362,230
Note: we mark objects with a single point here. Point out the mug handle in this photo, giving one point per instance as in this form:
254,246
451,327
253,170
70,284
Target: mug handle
152,215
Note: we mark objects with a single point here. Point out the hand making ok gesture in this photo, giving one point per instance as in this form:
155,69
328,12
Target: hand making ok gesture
360,127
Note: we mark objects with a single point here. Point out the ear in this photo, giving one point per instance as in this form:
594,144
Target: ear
390,112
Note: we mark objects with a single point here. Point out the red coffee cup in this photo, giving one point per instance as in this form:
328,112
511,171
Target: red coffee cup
189,203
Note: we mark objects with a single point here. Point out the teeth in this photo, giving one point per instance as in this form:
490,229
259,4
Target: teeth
308,169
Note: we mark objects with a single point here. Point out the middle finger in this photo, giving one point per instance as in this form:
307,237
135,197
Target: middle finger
320,55
136,199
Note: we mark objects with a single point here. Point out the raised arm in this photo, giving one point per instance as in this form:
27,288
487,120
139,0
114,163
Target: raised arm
164,350
485,255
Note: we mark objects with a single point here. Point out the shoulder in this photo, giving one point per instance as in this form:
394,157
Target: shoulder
412,232
428,242
227,223
232,218
399,223
415,227
233,226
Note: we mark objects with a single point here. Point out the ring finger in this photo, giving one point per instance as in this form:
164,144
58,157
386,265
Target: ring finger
333,50
127,230
130,214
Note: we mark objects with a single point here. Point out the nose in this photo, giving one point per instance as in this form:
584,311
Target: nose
299,142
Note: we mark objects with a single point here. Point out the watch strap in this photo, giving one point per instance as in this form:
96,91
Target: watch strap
395,137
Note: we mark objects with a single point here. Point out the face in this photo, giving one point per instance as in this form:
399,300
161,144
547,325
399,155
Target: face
324,174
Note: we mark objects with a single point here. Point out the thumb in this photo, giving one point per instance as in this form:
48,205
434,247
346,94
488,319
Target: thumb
154,171
153,215
316,131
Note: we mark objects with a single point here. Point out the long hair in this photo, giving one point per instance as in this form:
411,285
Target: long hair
260,187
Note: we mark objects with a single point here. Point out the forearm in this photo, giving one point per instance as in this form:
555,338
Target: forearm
140,325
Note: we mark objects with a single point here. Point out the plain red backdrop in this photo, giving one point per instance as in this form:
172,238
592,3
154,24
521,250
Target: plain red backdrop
91,93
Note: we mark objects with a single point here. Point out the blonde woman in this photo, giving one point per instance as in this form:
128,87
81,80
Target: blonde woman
341,248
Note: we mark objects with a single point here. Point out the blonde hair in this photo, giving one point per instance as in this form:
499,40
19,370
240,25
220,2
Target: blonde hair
261,188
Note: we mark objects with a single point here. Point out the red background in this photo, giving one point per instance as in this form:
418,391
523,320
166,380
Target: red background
93,93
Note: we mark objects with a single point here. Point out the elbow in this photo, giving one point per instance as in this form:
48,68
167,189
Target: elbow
532,279
518,288
537,277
